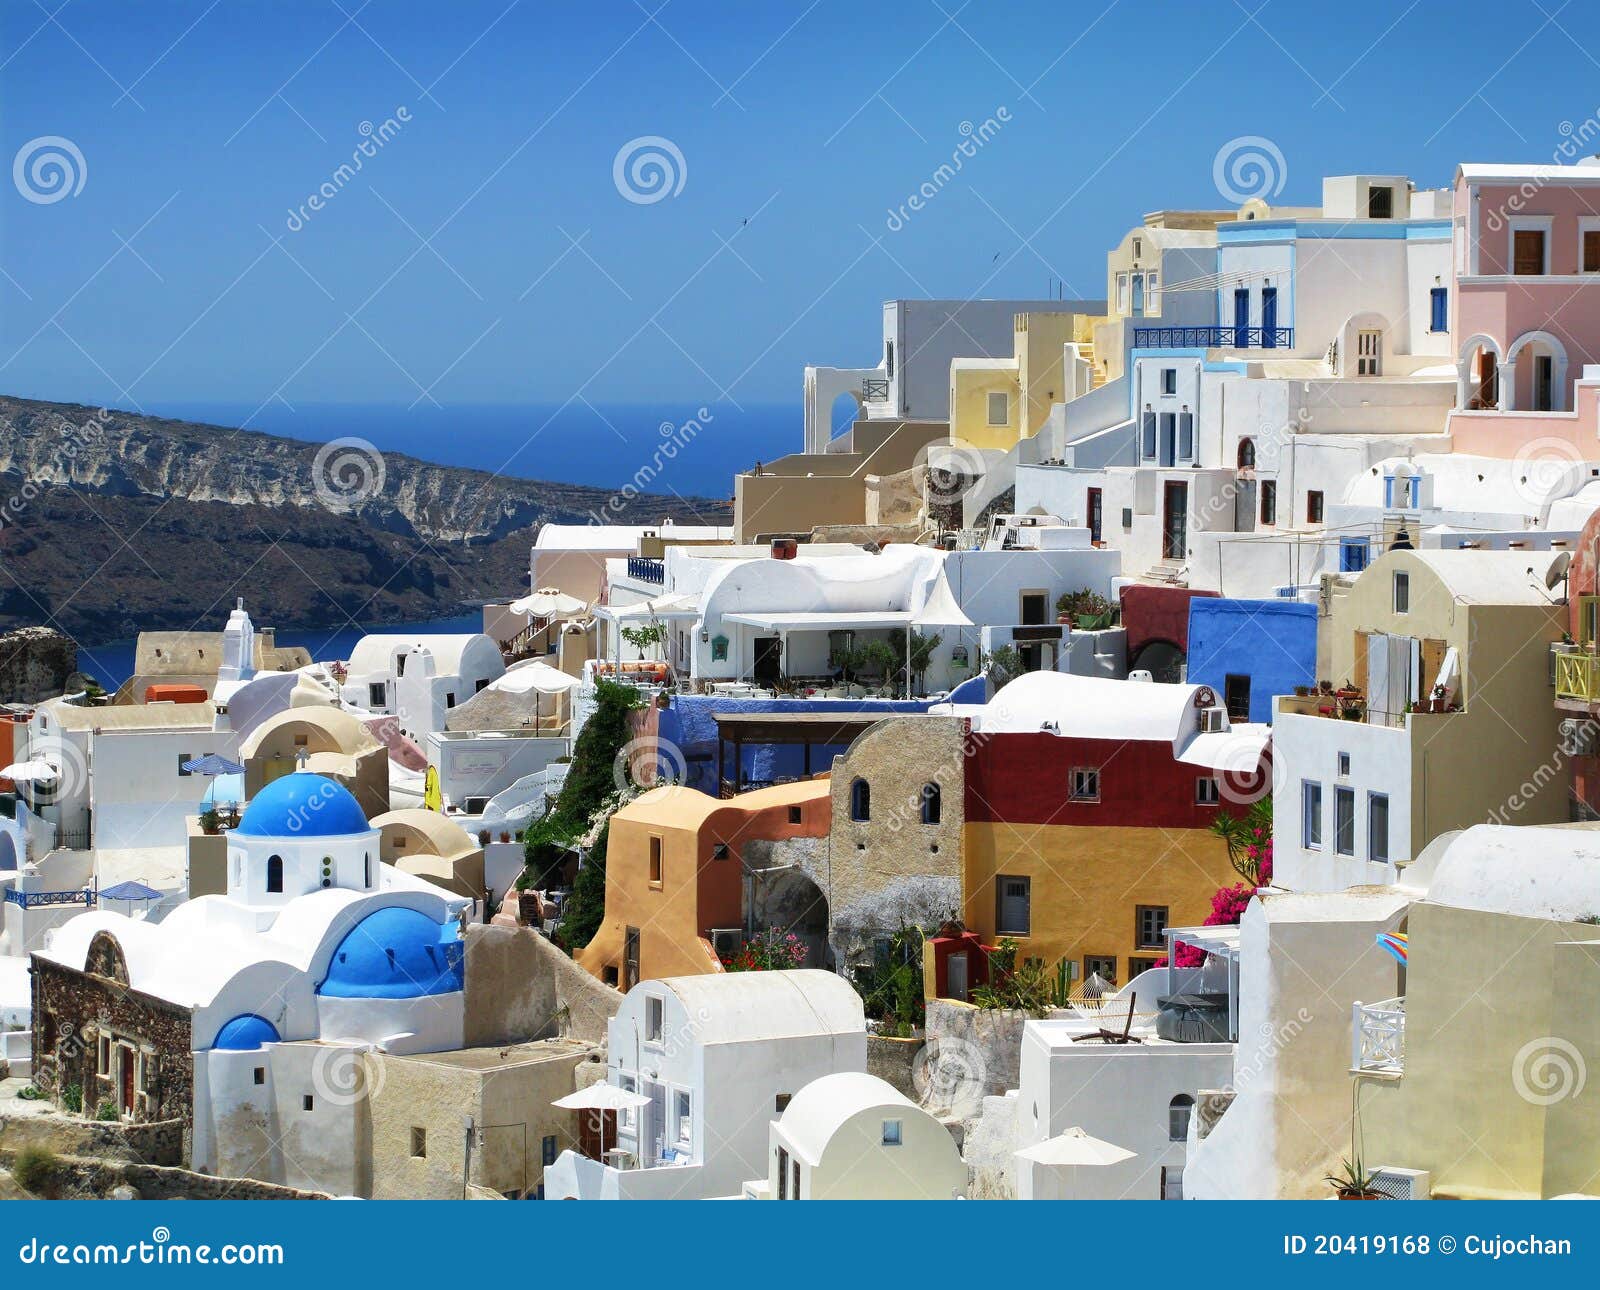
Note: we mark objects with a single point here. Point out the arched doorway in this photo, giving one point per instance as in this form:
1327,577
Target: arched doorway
1478,375
788,901
1162,659
1535,373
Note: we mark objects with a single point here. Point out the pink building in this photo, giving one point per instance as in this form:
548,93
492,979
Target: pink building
1527,286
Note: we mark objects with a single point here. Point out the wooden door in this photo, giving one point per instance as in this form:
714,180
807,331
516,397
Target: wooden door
129,1058
1175,521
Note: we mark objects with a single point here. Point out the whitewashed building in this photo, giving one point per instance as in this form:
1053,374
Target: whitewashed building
718,1056
418,679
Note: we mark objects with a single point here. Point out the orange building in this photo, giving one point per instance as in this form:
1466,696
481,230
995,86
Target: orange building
677,862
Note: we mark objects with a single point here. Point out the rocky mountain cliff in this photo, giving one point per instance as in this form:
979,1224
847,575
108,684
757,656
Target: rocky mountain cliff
113,522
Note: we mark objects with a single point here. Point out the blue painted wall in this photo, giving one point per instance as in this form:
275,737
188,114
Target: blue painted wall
1273,642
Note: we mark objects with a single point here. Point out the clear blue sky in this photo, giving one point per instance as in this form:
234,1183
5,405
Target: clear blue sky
202,127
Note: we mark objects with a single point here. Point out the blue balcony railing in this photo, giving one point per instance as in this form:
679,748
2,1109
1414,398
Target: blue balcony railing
646,570
1213,337
38,899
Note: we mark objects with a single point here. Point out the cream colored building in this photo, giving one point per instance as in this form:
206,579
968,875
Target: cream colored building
478,1116
1357,800
1480,1071
994,402
852,1136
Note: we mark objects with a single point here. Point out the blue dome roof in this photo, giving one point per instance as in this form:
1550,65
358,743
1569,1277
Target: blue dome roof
245,1033
303,805
396,954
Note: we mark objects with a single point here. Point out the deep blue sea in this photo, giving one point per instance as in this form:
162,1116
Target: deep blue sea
112,664
602,444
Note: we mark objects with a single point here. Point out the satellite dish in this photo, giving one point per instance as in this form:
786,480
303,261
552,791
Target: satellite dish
1557,570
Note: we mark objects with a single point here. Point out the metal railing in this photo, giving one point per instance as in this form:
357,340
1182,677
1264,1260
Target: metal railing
40,899
646,569
1213,337
1378,1036
875,389
1577,676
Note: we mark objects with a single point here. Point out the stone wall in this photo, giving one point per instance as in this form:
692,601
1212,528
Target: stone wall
895,1062
152,1142
892,869
977,1052
35,663
519,987
75,1177
72,1009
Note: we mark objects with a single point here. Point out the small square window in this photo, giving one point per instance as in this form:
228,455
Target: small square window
1206,792
1150,925
377,694
999,409
183,757
891,1133
1314,507
781,1102
1103,966
1344,764
796,816
419,1143
719,850
260,1074
306,1102
1380,203
1085,784
1169,380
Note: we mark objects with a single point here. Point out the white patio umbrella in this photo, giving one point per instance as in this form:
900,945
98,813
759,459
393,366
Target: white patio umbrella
34,770
534,674
549,602
1074,1148
602,1097
939,610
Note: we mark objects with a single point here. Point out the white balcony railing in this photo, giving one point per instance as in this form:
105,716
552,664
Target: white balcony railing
1378,1037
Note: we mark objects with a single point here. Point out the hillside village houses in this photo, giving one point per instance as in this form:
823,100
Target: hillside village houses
1100,762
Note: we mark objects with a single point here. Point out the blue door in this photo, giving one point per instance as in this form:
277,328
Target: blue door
1269,317
1241,318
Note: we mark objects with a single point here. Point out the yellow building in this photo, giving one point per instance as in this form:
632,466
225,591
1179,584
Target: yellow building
1479,1073
681,865
994,402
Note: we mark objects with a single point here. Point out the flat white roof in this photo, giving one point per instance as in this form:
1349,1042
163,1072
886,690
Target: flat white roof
1481,172
621,537
862,619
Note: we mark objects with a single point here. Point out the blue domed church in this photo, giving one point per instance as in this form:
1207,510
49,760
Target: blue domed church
250,1014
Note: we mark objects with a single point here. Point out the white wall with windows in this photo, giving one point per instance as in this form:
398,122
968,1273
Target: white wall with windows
1342,804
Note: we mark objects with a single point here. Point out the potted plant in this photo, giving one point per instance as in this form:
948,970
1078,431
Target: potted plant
483,837
1353,1182
505,835
1302,691
1437,700
210,822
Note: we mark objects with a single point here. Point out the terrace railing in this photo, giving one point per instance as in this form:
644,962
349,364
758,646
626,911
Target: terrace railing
1213,337
1378,1037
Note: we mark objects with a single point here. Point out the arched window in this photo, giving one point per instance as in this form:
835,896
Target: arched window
860,800
274,873
1178,1112
1247,454
930,803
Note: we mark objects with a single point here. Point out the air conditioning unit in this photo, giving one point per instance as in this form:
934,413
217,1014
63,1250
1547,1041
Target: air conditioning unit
725,941
1403,1184
1578,736
1213,721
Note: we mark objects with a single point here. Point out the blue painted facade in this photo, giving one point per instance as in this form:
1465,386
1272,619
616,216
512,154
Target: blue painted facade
1273,643
396,953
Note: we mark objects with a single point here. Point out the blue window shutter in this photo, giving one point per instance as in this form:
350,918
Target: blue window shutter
1441,309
